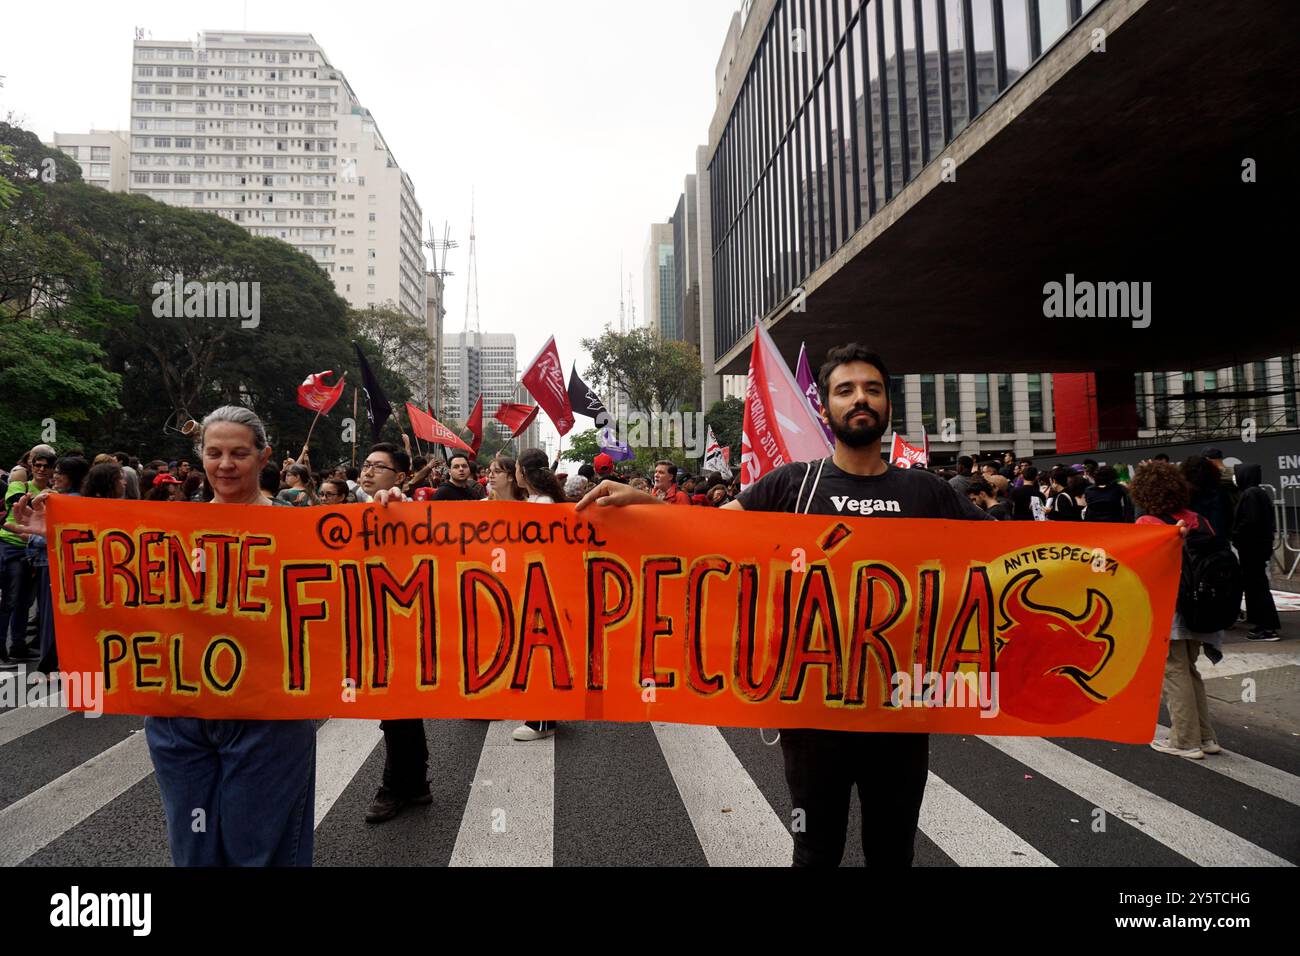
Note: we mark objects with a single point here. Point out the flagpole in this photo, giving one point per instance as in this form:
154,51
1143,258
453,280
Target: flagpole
355,392
398,413
308,441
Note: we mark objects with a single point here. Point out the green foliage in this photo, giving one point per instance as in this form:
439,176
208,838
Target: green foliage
727,419
8,191
658,375
24,160
87,266
581,446
49,377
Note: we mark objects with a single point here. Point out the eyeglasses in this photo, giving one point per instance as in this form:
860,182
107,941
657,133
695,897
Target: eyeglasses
42,464
375,466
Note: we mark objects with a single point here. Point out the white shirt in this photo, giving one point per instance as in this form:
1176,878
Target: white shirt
541,499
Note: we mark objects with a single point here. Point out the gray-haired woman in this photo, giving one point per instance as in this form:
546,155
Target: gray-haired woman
255,780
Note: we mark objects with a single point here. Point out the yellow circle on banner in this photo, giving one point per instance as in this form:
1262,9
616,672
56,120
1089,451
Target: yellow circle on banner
1072,625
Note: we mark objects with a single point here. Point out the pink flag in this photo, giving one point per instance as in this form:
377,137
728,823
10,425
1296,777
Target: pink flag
780,426
806,381
544,379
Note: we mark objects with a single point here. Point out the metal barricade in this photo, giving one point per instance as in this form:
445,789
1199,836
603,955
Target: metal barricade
1287,509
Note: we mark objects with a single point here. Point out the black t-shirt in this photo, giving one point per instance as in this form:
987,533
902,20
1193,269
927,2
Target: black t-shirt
1064,508
897,493
449,492
1000,511
1023,508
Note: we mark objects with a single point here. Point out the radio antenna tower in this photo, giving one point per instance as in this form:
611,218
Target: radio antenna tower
471,275
622,318
433,362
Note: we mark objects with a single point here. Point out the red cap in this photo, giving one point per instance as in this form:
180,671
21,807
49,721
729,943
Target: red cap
602,463
423,494
165,480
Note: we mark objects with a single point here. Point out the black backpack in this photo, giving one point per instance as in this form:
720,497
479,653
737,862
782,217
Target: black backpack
1210,588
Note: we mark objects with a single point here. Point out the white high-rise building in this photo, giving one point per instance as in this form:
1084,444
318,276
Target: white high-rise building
479,363
261,129
102,153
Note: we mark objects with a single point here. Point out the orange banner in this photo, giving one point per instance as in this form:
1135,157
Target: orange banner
504,610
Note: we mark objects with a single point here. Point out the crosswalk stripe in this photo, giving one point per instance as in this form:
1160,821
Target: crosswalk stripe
735,824
1193,837
342,746
23,720
970,835
46,814
1252,773
1235,663
509,819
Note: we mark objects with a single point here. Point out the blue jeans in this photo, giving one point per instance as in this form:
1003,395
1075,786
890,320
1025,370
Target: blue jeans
16,592
254,780
49,661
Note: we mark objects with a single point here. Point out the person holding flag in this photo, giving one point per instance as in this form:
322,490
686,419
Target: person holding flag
822,766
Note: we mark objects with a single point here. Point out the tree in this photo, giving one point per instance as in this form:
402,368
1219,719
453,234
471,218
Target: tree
26,159
658,375
51,384
727,418
403,342
583,446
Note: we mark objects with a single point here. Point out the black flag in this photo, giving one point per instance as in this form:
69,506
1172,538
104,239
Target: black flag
377,408
582,399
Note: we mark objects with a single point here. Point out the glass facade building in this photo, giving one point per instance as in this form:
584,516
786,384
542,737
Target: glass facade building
843,104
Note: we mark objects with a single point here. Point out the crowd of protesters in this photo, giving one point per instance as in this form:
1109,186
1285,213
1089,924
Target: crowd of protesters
1201,495
1005,488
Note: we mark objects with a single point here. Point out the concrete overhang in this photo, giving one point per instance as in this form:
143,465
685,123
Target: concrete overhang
1123,165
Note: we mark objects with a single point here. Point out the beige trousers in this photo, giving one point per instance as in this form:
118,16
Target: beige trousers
1189,715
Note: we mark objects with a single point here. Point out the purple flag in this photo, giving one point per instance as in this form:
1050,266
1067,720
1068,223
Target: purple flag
806,381
610,445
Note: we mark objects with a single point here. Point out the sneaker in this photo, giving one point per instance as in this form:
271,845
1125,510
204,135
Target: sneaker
1263,636
1195,753
1211,747
387,805
543,729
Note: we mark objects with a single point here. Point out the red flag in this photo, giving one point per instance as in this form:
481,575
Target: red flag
431,430
779,423
903,455
475,423
544,380
317,394
515,416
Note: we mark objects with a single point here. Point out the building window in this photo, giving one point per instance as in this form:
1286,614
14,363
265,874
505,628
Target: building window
1006,404
1140,398
898,403
983,405
1290,410
1035,381
951,397
928,395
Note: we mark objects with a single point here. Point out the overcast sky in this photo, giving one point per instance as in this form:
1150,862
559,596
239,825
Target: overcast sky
575,122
